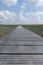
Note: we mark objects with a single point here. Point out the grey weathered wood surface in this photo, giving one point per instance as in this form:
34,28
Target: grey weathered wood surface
21,40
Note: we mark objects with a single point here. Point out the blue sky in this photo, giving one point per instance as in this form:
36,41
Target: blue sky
21,11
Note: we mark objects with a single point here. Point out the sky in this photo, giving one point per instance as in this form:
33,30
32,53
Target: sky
21,11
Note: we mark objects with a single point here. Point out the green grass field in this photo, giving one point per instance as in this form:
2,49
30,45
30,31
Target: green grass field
4,29
38,29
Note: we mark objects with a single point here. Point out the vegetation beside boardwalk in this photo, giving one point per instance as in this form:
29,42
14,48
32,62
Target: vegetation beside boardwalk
4,29
38,29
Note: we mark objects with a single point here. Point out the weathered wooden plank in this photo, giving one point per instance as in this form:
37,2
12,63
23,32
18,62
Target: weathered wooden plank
21,47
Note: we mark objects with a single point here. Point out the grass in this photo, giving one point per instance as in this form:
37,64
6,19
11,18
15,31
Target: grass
38,29
4,29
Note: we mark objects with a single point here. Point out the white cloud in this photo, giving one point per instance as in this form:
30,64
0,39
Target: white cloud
21,17
23,6
7,17
31,17
9,2
21,14
34,3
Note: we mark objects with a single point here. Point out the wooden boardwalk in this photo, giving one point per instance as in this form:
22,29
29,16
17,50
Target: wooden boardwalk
21,47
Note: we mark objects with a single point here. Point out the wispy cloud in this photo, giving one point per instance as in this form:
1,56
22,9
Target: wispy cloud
34,3
9,2
23,6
